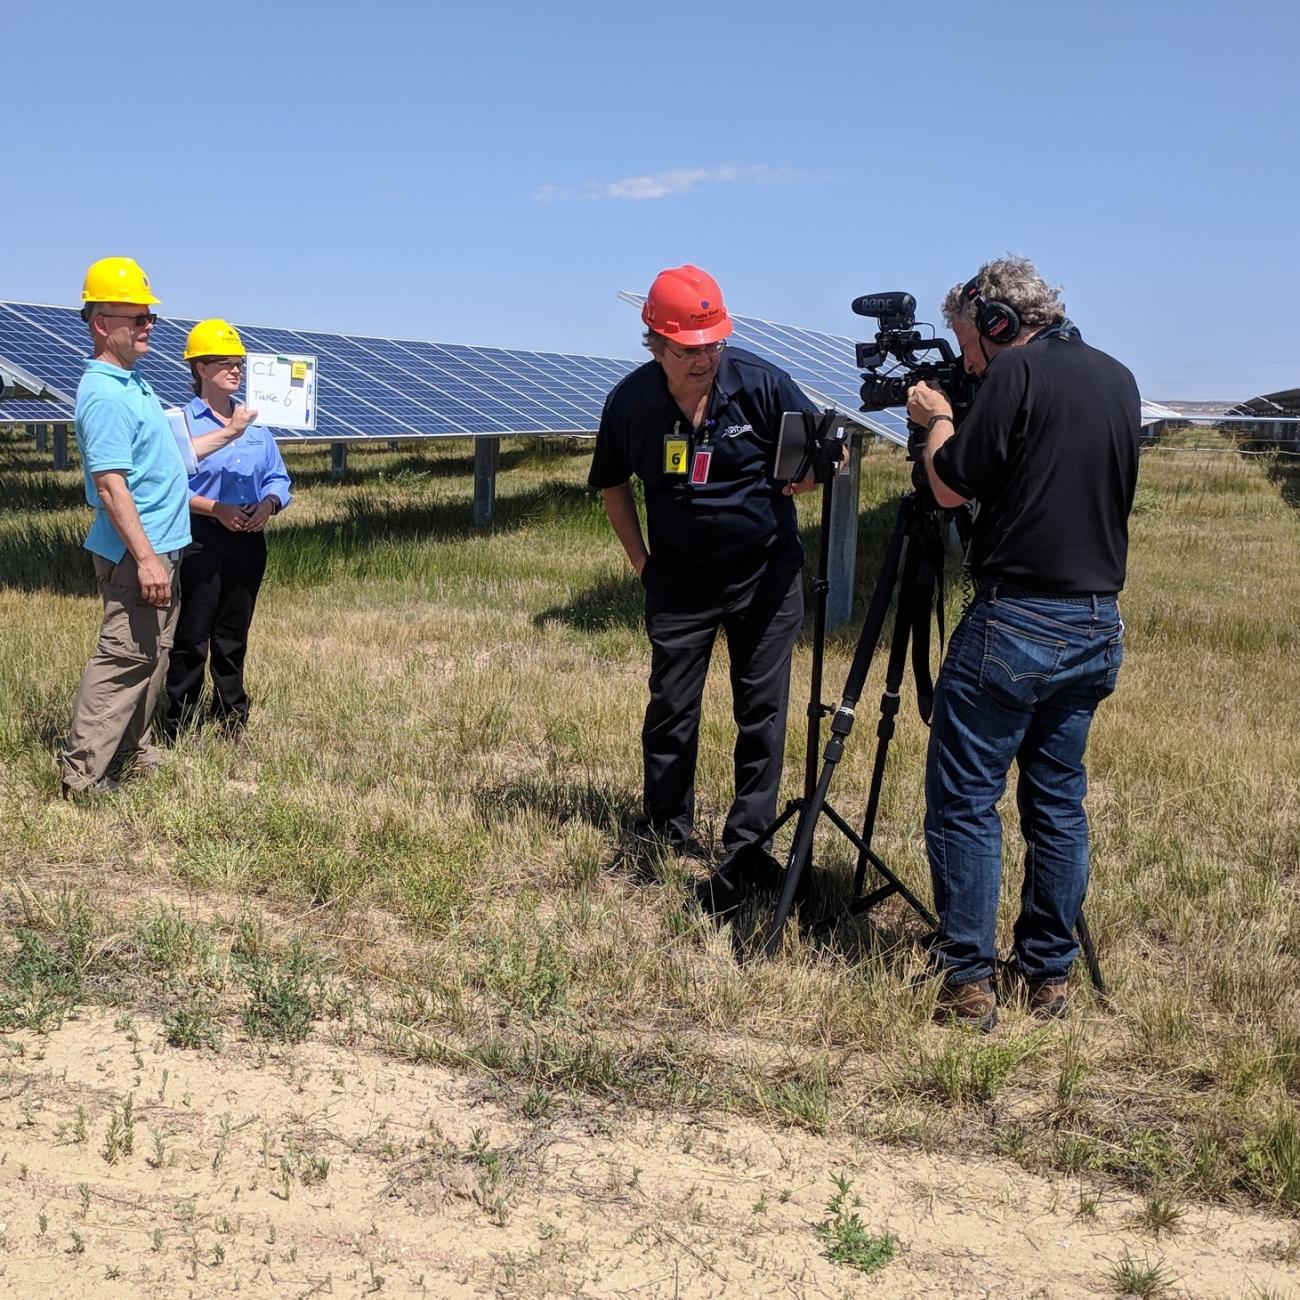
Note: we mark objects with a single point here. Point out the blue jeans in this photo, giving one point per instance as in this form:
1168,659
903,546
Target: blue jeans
1021,680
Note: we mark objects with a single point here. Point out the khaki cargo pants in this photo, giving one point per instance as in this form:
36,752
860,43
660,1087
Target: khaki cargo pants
115,703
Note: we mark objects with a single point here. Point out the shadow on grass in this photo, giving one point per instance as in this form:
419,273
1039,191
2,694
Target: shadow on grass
618,601
825,921
47,554
636,853
40,489
432,458
826,924
612,601
559,801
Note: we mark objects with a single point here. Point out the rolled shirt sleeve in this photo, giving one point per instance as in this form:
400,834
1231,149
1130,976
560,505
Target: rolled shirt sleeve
275,477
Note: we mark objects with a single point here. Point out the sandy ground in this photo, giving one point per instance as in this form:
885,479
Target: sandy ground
237,1198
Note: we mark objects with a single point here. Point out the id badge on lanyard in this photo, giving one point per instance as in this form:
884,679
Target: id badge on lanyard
703,457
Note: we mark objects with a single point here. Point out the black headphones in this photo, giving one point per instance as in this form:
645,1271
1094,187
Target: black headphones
995,321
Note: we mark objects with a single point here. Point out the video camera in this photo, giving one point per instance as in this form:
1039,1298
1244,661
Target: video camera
898,339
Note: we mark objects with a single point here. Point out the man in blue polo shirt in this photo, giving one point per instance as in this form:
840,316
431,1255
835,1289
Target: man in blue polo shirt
698,426
136,482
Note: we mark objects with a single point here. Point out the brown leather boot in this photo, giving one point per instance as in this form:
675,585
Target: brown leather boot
1050,1000
972,1004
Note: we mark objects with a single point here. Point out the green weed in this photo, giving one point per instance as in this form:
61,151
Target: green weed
965,1070
847,1239
282,996
1140,1277
193,1025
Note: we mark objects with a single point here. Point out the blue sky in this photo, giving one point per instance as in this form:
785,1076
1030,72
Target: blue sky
495,173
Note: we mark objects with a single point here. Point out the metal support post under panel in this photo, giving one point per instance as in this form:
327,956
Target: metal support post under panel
338,459
60,446
843,542
487,457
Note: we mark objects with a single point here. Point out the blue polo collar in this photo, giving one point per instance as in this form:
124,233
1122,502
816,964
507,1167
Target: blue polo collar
105,368
197,406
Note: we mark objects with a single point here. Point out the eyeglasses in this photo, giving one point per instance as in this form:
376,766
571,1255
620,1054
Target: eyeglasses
225,363
689,354
140,321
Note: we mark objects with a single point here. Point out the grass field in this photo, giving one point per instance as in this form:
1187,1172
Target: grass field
416,845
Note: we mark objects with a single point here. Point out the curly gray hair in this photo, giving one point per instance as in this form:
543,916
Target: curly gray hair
1014,281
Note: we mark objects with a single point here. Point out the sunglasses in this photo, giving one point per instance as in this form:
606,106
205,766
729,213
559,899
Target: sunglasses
689,354
140,321
224,363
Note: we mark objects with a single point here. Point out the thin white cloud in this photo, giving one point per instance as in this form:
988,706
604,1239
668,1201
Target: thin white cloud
662,185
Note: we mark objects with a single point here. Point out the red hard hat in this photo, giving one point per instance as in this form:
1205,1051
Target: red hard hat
685,305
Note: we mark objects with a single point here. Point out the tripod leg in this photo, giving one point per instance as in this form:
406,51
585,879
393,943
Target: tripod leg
892,883
890,700
820,586
841,722
1090,955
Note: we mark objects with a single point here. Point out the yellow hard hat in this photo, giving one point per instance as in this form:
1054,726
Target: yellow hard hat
117,279
214,338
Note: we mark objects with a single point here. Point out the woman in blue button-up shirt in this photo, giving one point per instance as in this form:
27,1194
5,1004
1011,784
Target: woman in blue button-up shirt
232,495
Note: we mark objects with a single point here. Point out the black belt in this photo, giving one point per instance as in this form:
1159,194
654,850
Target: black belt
1015,591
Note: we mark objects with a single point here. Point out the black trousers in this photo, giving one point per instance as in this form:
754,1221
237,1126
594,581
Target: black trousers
761,613
220,577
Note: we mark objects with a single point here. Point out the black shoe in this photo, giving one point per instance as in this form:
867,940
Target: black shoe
749,872
765,874
760,868
721,894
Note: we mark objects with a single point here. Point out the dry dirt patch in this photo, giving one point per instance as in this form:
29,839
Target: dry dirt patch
333,1171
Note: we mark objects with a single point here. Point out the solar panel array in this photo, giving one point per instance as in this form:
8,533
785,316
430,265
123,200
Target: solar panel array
368,387
402,388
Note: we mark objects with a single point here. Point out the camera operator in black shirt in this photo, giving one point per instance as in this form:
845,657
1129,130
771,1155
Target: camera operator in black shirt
1049,450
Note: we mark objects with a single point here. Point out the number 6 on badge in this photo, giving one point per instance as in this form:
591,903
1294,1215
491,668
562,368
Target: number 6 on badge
674,455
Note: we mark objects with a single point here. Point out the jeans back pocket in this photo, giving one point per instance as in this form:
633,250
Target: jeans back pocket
1018,665
1114,657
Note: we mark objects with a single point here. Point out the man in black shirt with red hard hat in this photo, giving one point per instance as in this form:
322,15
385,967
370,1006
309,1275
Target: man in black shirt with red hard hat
1049,449
698,425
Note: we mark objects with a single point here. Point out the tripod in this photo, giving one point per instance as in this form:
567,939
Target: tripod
916,534
913,564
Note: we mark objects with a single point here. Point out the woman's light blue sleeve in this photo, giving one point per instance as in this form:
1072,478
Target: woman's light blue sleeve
275,477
